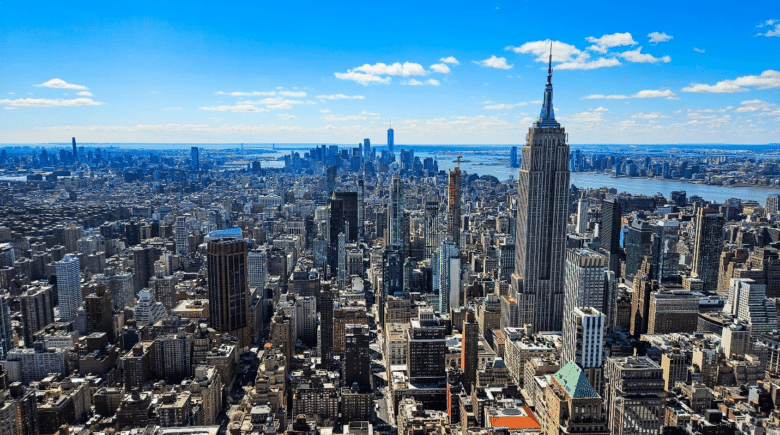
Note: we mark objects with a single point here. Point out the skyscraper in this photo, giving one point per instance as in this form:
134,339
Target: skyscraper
75,150
513,157
182,236
431,225
195,159
611,215
707,247
357,356
396,214
69,287
258,268
37,311
366,148
351,214
583,341
448,276
542,213
453,205
361,208
327,297
6,333
336,226
469,353
390,139
229,288
582,215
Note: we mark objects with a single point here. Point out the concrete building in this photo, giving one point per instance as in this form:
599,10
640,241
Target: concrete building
69,287
229,288
634,395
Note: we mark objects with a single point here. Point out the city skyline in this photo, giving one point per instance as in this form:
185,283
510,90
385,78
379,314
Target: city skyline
464,75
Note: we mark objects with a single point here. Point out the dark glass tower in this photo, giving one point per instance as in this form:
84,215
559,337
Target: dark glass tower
229,288
542,213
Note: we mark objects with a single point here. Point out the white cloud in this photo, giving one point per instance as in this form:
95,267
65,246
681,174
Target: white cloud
561,51
586,117
639,57
286,116
247,94
263,93
60,84
450,59
440,68
651,115
775,31
586,65
324,110
339,97
415,82
641,94
656,37
609,41
405,69
768,79
331,118
750,106
275,103
601,109
502,106
84,93
363,79
494,62
11,93
46,102
369,113
237,108
698,50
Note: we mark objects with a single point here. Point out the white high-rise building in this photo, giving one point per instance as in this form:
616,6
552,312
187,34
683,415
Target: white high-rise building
582,215
69,287
182,236
148,311
448,271
585,343
748,302
257,268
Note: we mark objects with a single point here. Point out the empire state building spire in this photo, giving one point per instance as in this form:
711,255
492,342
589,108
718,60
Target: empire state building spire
547,116
537,287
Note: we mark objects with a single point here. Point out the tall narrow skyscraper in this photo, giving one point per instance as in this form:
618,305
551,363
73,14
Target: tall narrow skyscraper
75,151
707,247
611,223
195,159
69,287
396,214
366,148
431,224
390,139
542,213
453,205
229,288
448,270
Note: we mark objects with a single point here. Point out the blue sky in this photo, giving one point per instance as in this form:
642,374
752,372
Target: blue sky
444,72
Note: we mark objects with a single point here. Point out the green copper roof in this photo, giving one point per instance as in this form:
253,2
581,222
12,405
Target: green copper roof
574,381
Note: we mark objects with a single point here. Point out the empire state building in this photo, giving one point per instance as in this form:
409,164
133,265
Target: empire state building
542,212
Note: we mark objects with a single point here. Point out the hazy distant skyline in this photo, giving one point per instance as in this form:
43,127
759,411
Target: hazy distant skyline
445,73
